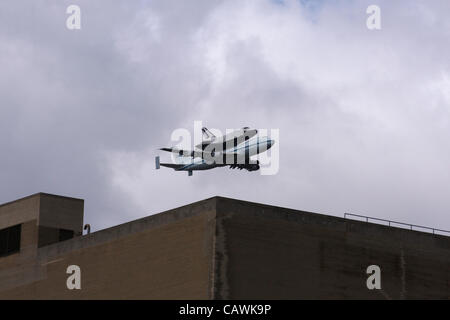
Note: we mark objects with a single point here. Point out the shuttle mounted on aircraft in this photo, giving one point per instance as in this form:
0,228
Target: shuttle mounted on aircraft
234,150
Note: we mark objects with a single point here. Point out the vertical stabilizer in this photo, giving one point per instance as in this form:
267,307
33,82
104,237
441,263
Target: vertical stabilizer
207,135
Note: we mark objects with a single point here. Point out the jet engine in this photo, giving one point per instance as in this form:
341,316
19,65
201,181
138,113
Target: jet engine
247,166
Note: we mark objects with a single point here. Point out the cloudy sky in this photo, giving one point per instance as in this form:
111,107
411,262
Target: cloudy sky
363,115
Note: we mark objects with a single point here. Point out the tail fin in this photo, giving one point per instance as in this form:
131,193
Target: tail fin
207,134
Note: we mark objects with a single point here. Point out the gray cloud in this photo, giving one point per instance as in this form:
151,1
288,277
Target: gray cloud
363,115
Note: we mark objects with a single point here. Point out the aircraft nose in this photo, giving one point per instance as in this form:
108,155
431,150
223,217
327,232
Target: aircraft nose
270,143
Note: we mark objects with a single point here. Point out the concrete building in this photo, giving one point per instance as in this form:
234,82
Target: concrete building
217,248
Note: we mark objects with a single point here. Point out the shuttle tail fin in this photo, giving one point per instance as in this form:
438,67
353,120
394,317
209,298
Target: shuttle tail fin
207,135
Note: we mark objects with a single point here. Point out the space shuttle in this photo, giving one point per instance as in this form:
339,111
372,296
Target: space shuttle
210,140
238,146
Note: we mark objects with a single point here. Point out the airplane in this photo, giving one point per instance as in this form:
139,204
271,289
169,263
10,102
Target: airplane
234,150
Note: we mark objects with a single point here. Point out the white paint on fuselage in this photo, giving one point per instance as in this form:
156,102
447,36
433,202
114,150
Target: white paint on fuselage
254,145
228,139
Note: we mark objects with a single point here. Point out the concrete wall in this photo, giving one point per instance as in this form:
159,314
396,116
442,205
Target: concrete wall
47,213
20,211
61,213
265,252
165,256
227,249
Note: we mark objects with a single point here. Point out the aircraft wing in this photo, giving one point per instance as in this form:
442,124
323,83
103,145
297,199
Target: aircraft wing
172,165
175,166
184,153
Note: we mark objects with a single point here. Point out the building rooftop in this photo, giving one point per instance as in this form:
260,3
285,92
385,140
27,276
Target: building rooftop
217,248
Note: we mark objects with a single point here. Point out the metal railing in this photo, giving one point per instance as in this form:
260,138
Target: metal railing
391,223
